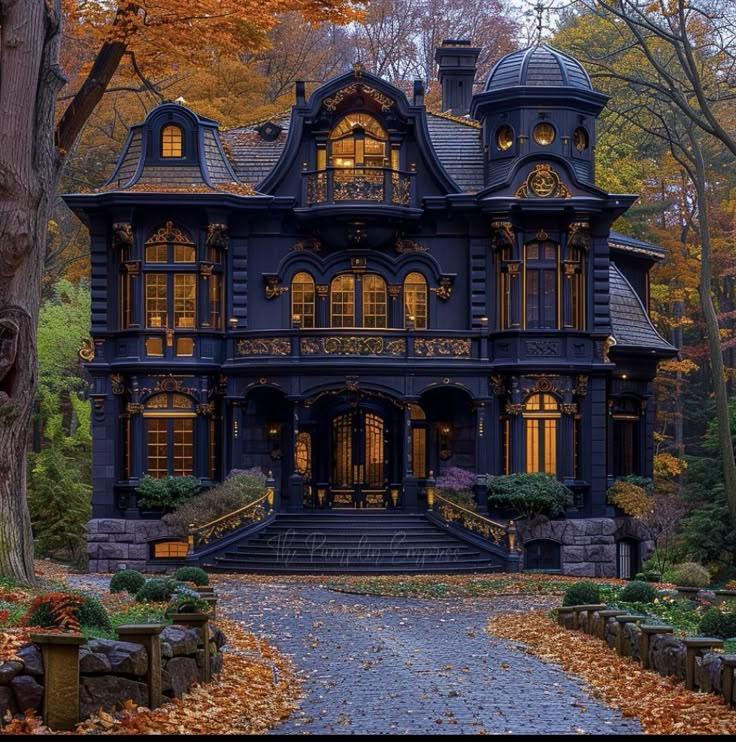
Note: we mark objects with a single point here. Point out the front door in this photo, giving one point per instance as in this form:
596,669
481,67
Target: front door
359,463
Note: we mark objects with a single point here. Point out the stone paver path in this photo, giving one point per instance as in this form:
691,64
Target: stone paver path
397,666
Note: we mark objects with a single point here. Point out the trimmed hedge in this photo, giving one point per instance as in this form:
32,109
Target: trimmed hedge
715,623
638,592
127,579
192,574
582,593
158,590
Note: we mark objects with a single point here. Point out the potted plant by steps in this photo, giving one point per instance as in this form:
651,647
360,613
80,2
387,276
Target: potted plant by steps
186,600
159,496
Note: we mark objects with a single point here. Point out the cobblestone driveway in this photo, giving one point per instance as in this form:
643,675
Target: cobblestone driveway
393,666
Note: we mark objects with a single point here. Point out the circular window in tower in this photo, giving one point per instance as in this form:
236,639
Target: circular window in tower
580,139
544,134
504,138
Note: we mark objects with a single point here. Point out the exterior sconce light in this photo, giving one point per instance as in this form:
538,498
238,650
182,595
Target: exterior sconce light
296,321
445,439
273,434
484,322
233,323
411,322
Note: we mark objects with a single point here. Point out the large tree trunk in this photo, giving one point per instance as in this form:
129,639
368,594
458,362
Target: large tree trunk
725,442
29,169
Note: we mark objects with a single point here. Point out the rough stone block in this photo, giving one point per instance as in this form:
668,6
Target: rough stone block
183,672
106,691
93,663
608,527
177,641
124,657
28,693
111,526
599,553
578,570
7,701
32,660
216,662
572,554
8,670
138,551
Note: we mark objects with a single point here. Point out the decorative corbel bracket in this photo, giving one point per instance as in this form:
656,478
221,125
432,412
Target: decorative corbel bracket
502,235
122,233
273,289
217,236
444,290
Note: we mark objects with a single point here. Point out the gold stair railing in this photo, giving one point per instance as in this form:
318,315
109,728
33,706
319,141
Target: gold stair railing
450,512
253,512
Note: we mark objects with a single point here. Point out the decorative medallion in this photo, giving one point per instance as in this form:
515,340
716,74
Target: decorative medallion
432,347
87,351
118,384
353,346
444,290
384,101
264,347
403,246
272,288
498,385
543,182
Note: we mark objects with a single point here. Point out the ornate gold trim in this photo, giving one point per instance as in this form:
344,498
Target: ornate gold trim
444,290
353,345
87,350
272,288
543,182
354,88
432,347
264,347
403,246
502,235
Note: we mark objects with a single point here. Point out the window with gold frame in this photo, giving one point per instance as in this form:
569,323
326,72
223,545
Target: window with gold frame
342,301
419,441
415,300
302,299
358,139
541,414
169,427
541,286
303,454
172,141
375,310
170,550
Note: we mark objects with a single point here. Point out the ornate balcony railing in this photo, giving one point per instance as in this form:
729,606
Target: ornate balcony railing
451,513
254,512
358,184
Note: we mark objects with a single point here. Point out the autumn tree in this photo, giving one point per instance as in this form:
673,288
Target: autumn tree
34,146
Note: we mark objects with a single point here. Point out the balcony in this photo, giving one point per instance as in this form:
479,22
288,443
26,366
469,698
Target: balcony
358,185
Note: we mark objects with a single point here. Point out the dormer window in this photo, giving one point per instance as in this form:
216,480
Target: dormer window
358,140
172,141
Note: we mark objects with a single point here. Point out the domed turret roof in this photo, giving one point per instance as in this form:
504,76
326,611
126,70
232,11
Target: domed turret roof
538,66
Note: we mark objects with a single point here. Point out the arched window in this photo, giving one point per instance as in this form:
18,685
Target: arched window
541,419
415,300
169,429
541,286
542,554
375,310
171,141
342,301
302,299
358,139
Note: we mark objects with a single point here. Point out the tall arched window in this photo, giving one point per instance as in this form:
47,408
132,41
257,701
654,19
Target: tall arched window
169,429
541,419
302,299
342,301
375,310
170,291
358,139
415,300
541,286
171,141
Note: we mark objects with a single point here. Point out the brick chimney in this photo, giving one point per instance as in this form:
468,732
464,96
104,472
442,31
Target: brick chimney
456,60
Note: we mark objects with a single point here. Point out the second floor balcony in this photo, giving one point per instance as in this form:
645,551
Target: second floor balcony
359,185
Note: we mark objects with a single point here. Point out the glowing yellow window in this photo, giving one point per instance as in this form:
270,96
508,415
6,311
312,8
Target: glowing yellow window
541,416
170,550
171,141
342,301
302,299
415,300
185,300
374,302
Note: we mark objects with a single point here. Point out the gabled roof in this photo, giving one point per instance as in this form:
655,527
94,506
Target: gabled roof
459,149
618,241
253,157
630,323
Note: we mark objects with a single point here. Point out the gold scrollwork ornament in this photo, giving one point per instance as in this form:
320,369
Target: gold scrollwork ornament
543,182
87,351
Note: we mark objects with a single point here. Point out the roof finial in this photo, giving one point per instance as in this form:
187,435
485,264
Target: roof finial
539,8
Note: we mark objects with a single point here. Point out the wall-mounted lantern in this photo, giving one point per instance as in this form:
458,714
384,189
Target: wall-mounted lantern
273,434
444,431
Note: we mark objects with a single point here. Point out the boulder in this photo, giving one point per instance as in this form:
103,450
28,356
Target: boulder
124,657
667,656
183,673
7,701
28,693
32,659
105,691
166,686
217,636
180,641
93,663
8,670
216,663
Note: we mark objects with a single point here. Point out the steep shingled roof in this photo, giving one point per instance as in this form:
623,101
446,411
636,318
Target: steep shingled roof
630,322
459,149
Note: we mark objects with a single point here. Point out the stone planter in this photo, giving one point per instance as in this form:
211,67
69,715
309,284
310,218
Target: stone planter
688,592
725,596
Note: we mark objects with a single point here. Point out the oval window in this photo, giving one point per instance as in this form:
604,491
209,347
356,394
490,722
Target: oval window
580,138
544,134
504,138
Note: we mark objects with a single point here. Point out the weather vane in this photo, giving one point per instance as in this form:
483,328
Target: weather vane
539,8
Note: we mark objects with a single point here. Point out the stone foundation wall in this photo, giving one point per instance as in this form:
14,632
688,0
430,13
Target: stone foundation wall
112,542
111,671
587,545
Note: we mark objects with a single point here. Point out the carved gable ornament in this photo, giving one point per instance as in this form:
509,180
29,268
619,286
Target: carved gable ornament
356,88
543,182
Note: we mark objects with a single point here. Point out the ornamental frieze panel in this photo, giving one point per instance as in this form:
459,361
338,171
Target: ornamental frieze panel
264,347
353,346
543,182
438,347
403,246
545,348
358,88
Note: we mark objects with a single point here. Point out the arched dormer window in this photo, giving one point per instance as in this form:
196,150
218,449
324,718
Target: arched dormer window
172,141
358,140
169,430
415,300
541,414
302,300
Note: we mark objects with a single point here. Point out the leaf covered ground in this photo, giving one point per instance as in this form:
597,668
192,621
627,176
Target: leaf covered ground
662,705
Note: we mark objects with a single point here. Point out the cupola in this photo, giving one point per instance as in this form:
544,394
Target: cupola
538,101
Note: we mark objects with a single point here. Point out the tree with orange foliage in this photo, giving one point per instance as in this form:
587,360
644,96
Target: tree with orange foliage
33,150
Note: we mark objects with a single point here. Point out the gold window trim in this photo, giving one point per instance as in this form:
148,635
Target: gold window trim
172,141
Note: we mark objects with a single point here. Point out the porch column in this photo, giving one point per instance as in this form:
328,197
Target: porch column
137,433
410,495
482,451
566,447
516,430
296,480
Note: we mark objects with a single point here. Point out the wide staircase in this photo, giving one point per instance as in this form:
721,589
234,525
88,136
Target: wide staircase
354,542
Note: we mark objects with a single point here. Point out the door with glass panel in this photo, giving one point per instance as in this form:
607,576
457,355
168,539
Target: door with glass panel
359,464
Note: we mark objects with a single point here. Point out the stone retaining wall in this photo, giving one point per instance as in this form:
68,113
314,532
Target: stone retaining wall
113,671
587,545
112,542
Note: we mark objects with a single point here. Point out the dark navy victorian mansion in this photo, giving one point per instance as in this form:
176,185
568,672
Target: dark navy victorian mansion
362,295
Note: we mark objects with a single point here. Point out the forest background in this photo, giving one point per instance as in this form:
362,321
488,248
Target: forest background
639,151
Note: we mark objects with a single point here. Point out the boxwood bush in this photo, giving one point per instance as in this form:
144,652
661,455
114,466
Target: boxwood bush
127,579
167,492
582,593
715,623
638,592
158,590
529,495
192,574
